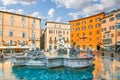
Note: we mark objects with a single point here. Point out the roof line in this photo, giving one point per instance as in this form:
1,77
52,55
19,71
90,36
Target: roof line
88,17
19,14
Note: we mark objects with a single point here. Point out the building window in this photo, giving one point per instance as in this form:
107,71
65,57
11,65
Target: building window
97,25
98,38
83,39
59,26
11,33
90,33
12,23
23,35
118,25
0,32
103,36
23,18
72,29
111,19
33,35
112,35
118,16
50,47
83,34
90,39
77,29
55,25
11,42
77,24
63,32
34,21
71,35
98,32
71,40
83,22
50,31
103,29
55,47
60,32
71,24
107,35
118,33
50,38
90,27
91,21
83,28
23,25
103,21
33,26
97,19
67,32
83,47
12,16
111,27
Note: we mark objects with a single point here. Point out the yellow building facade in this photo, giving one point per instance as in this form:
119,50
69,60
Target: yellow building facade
18,32
52,31
86,32
111,30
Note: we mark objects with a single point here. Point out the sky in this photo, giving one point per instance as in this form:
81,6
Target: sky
59,10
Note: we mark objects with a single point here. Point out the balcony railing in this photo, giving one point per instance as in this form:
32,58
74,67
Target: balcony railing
107,40
34,39
83,37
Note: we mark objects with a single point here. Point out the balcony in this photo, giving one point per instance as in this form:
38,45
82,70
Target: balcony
83,37
107,40
34,39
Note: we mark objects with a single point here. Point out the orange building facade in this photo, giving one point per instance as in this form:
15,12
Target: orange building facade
111,30
18,32
87,32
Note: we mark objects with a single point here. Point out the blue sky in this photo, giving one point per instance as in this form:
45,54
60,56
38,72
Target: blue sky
59,10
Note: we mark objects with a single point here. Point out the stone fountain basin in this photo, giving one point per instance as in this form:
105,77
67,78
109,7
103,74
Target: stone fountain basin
72,62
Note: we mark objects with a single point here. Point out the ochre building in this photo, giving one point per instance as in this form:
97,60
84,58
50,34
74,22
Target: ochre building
52,31
18,32
111,30
87,32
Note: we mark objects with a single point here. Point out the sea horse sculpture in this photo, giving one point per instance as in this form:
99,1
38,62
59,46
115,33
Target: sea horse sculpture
74,52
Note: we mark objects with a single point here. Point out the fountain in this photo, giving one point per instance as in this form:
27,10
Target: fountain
37,58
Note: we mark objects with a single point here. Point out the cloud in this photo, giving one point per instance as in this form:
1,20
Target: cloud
103,6
38,15
59,19
75,4
51,13
74,15
24,2
18,11
92,8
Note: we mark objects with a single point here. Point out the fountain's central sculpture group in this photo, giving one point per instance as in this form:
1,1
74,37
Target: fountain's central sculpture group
62,50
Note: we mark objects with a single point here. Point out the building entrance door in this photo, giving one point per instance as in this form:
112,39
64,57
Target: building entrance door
98,47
